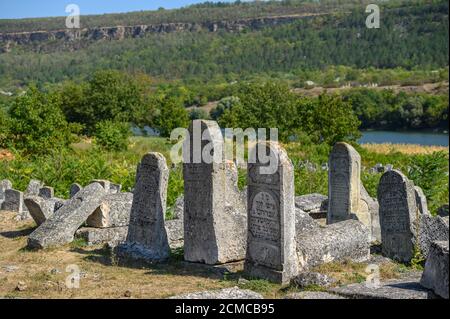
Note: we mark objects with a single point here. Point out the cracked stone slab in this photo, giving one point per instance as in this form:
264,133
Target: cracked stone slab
405,288
227,293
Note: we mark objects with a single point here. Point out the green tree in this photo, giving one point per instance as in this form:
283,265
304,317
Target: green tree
38,124
4,128
172,114
112,135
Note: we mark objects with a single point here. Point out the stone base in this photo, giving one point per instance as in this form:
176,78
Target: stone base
272,275
133,254
94,236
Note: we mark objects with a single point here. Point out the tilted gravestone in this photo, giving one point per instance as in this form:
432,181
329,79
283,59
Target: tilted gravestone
42,208
398,215
13,201
214,213
74,188
114,211
147,238
271,246
344,185
59,229
46,192
431,228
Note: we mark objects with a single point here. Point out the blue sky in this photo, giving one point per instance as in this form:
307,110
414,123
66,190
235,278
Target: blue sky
12,9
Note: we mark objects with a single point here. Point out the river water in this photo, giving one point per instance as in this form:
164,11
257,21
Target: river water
405,137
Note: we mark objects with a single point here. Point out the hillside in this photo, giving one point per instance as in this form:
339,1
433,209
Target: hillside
224,43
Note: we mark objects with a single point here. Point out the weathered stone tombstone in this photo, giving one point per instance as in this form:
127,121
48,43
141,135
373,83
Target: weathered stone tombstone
13,201
344,184
398,215
108,186
4,185
435,275
33,188
147,238
271,246
74,188
369,208
46,192
42,208
431,228
60,228
214,217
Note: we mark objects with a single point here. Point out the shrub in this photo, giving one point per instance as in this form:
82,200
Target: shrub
112,135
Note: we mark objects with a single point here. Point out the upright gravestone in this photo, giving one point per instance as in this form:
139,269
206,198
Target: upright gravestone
74,188
46,192
271,246
214,213
344,185
4,185
147,238
33,188
398,215
13,201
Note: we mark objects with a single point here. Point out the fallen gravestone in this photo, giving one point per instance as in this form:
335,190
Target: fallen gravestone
215,223
312,295
435,275
271,217
421,201
344,184
407,287
114,211
304,222
41,208
398,214
147,238
227,293
431,229
59,229
116,235
347,240
314,204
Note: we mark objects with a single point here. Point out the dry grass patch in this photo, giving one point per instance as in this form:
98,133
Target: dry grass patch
410,149
44,272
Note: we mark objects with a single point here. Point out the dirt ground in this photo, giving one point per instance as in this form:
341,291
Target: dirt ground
43,274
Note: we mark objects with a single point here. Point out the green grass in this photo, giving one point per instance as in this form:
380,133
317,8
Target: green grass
86,161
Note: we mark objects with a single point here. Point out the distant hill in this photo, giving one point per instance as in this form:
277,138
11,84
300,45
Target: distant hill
226,42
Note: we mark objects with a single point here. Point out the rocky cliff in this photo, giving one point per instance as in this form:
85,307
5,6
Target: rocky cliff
7,40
